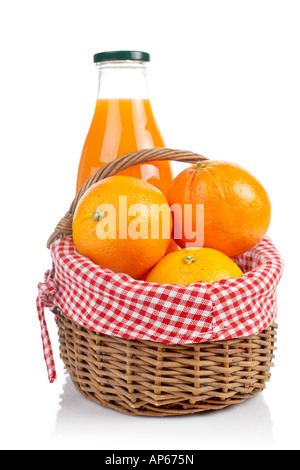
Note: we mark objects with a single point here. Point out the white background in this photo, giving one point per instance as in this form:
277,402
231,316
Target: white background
224,82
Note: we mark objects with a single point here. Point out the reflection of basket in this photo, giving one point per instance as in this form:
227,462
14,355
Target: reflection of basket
143,377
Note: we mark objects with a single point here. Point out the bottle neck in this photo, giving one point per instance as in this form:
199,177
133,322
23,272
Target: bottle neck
122,80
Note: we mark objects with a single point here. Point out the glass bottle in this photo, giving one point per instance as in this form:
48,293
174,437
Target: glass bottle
123,119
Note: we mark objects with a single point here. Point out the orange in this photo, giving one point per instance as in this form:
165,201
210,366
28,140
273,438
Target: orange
172,247
124,224
191,265
237,209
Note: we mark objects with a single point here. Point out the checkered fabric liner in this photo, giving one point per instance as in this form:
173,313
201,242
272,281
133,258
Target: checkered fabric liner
117,305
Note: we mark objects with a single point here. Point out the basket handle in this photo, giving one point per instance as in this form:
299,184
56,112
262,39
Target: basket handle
64,227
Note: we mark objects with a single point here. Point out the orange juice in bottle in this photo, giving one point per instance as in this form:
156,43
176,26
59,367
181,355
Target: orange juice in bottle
123,119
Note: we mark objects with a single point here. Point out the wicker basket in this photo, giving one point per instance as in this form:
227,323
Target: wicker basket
155,379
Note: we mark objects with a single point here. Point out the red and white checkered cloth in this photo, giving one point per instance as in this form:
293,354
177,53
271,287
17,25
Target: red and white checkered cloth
115,304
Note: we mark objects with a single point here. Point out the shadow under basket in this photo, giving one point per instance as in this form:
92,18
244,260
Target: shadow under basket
154,379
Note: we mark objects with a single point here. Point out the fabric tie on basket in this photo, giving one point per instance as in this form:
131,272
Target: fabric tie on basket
117,305
44,299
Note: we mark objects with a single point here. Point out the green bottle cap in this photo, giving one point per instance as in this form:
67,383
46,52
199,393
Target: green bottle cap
122,55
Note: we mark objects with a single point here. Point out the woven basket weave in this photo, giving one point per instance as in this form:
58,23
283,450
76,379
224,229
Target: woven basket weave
151,378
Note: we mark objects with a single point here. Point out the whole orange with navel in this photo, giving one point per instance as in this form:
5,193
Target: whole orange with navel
237,209
123,224
191,265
